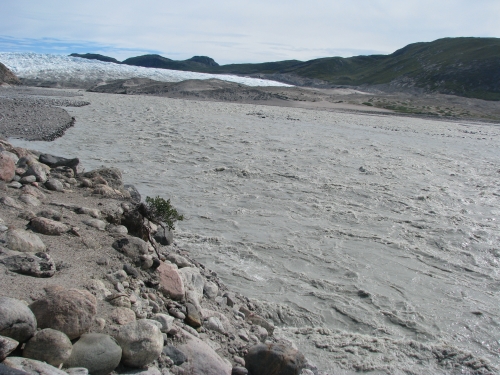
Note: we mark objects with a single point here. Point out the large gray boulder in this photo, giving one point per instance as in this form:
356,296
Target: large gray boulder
32,367
67,310
17,321
6,76
99,353
274,359
201,358
48,345
141,342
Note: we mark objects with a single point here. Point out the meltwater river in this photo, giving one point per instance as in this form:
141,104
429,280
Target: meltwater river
374,239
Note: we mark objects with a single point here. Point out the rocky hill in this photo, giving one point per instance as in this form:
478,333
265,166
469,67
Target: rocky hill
7,77
468,67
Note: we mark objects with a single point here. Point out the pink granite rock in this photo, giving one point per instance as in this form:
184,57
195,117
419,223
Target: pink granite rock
7,168
171,284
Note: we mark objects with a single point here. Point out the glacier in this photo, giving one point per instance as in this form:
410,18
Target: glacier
60,68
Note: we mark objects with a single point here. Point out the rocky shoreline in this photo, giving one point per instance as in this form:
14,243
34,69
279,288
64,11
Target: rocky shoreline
86,291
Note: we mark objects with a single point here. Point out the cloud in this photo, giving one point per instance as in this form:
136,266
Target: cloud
231,31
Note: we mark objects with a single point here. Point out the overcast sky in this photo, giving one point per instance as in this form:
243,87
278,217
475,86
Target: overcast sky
233,31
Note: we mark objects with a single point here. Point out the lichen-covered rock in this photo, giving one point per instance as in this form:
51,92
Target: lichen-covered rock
113,176
17,321
49,345
274,359
99,353
67,310
24,241
141,343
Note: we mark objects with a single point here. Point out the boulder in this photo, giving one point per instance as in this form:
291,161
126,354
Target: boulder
36,265
210,289
36,169
48,226
175,355
201,358
164,236
30,200
99,353
274,359
171,284
28,189
7,346
17,321
132,247
68,310
48,345
5,370
165,320
178,260
21,240
193,317
122,315
11,202
57,161
7,167
260,321
31,366
113,176
141,342
54,184
194,282
135,196
95,223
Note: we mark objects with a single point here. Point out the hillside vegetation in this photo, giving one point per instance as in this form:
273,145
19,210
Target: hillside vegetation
467,67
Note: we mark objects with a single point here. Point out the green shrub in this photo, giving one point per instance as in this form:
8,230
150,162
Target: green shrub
160,210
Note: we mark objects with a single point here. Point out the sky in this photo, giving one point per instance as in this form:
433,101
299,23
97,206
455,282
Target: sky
232,31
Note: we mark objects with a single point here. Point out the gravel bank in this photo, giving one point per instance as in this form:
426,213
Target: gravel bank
35,114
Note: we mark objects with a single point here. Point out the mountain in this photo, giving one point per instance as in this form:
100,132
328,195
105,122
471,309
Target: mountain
6,76
96,56
194,64
468,67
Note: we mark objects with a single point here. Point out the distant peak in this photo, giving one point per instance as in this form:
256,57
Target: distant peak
205,60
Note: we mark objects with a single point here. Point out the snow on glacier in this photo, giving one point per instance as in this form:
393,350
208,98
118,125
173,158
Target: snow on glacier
63,68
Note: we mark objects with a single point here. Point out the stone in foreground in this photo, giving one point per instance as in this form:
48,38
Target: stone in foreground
67,310
7,346
99,353
21,240
141,343
48,345
274,359
32,366
16,320
201,358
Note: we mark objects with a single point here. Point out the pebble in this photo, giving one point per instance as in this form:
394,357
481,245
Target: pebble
15,185
95,223
10,202
48,226
54,184
30,200
7,346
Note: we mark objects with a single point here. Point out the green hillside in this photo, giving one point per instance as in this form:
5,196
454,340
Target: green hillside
467,67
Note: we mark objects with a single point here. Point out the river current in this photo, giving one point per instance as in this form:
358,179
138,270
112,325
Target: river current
373,240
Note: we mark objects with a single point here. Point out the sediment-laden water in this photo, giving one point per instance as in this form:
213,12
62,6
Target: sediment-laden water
374,239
